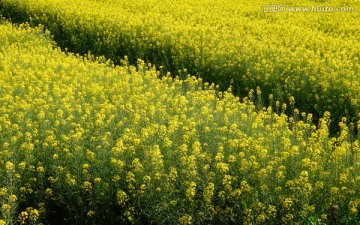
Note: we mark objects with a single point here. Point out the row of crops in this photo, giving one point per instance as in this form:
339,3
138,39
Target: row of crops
313,57
83,141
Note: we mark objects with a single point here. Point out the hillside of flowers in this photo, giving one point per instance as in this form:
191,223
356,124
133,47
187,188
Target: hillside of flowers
311,56
85,142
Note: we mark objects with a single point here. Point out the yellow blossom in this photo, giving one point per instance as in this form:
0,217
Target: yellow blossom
122,197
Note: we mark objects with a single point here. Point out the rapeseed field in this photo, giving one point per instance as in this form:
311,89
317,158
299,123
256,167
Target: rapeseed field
309,51
84,142
96,134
